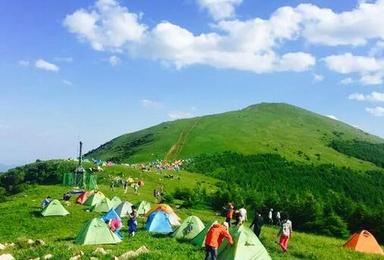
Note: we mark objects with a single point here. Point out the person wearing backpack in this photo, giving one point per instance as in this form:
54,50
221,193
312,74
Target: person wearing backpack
285,233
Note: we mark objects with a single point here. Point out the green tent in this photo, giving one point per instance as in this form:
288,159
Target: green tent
103,206
115,201
96,232
199,240
54,208
246,246
94,199
143,208
189,229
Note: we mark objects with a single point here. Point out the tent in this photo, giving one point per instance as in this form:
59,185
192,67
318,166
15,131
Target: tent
94,199
96,232
364,242
173,218
158,222
189,229
124,209
54,208
115,201
246,246
83,197
111,214
199,240
103,206
143,208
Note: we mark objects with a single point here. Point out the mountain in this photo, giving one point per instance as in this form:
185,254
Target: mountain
290,131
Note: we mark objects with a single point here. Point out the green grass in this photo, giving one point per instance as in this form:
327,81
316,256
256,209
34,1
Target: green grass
292,132
21,220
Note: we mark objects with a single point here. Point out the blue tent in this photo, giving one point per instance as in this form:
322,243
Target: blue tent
111,214
158,222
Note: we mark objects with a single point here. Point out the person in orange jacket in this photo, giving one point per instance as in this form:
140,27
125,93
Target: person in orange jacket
214,238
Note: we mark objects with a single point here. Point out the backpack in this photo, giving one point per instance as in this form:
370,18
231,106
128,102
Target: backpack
286,228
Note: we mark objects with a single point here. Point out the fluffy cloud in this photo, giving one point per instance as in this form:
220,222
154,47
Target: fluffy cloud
45,65
370,69
242,45
376,111
107,26
114,60
219,9
179,115
373,97
150,104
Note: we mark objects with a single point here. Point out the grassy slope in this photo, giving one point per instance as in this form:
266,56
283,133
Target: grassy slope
20,220
257,129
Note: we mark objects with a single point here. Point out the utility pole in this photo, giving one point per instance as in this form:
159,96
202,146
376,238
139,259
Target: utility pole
81,154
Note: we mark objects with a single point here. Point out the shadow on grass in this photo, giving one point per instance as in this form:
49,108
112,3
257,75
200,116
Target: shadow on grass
36,213
65,239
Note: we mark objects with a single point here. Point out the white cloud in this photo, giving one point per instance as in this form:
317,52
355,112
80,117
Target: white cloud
370,69
23,63
114,60
373,97
346,81
219,9
332,117
179,115
107,26
150,104
241,45
45,65
67,82
317,78
376,111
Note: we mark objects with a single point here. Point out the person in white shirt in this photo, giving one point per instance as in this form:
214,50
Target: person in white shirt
242,215
270,216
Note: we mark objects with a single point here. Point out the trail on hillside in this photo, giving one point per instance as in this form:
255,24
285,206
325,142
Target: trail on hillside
176,148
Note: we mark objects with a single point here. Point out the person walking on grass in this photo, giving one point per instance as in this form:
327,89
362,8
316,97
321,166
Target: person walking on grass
270,216
257,223
242,216
278,218
285,233
229,213
132,222
214,238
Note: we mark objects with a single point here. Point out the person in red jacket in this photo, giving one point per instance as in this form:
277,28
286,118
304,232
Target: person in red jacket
214,238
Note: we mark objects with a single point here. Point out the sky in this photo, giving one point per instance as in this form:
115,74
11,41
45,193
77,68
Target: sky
93,70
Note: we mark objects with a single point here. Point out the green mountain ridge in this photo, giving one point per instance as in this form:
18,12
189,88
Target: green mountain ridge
293,132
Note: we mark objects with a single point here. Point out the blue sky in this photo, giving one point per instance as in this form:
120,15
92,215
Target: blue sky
93,70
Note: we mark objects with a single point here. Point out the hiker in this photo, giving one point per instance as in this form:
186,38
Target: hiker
214,238
125,186
270,216
132,222
115,226
278,219
285,233
113,185
236,217
66,197
229,213
257,223
136,187
45,202
242,216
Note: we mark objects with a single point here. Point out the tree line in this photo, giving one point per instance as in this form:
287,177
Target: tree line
321,199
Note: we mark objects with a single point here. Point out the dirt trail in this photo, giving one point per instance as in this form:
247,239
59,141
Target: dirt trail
176,148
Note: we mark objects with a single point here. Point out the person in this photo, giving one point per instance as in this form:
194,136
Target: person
115,226
270,216
242,215
125,186
45,202
229,213
66,196
285,233
278,219
136,188
132,222
257,223
214,238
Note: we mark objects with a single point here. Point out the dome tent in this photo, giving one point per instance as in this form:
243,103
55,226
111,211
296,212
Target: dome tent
158,222
96,232
115,201
54,208
103,206
364,242
124,209
189,229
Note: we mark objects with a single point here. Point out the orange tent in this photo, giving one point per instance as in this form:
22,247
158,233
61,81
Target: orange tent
83,197
364,242
173,218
